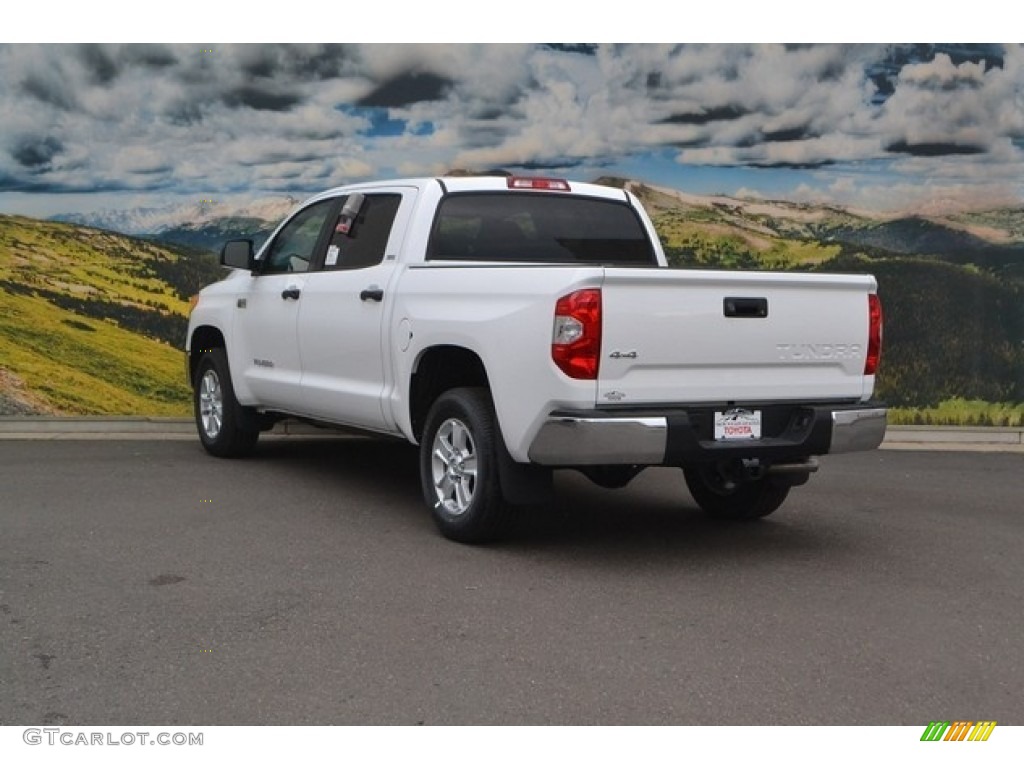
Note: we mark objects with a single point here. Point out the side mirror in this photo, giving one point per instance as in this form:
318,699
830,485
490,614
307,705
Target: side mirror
237,254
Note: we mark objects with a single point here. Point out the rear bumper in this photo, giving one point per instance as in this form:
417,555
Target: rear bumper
857,430
680,436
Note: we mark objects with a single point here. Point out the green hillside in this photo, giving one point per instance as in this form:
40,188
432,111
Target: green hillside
92,322
704,239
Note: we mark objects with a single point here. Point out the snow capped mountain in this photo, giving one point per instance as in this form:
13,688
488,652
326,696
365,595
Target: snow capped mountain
190,216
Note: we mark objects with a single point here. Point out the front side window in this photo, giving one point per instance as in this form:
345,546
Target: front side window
532,227
293,248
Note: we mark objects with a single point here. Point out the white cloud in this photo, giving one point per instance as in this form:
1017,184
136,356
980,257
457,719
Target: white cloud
256,119
938,102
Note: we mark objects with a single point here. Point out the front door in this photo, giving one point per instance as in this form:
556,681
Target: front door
267,316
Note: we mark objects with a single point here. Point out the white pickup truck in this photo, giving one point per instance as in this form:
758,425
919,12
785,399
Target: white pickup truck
510,326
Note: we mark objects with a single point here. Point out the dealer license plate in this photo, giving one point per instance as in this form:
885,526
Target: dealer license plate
738,424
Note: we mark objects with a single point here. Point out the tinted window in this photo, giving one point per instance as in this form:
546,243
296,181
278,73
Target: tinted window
539,228
292,249
367,239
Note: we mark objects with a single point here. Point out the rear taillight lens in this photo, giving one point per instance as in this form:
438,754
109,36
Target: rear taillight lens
874,335
576,335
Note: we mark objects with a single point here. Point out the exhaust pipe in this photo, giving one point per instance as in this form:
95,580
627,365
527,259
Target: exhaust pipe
794,473
796,467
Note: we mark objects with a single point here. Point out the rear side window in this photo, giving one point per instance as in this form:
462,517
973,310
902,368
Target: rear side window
531,227
367,239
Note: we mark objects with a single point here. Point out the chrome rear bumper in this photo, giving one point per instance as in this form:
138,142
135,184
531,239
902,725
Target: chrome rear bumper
858,430
678,437
597,440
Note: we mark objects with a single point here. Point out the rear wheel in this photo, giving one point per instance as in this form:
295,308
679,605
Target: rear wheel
226,428
459,467
726,499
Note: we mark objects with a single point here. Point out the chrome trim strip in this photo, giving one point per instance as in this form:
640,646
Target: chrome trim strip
568,440
860,430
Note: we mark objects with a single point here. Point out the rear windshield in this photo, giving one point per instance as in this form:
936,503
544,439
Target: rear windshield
532,227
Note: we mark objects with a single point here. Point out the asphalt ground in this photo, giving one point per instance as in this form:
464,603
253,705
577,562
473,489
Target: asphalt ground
145,582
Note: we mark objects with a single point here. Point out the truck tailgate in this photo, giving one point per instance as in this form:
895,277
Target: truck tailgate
681,336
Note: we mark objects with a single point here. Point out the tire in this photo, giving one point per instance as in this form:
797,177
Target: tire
725,500
459,467
225,428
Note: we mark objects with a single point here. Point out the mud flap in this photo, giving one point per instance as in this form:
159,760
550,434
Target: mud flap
522,484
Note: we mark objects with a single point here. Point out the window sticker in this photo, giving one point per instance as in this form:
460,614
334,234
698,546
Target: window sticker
332,255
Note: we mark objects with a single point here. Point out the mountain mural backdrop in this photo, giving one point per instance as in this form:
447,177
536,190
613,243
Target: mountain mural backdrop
124,166
93,321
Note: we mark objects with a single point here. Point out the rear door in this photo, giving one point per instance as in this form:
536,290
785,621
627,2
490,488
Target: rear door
344,308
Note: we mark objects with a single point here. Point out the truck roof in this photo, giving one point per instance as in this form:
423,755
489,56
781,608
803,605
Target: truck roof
478,184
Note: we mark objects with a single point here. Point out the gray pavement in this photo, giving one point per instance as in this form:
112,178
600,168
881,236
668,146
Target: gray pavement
144,582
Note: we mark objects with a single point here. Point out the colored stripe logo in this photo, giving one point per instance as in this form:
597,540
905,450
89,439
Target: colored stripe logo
958,730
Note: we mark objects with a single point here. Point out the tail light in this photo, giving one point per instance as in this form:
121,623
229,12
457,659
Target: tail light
874,335
576,335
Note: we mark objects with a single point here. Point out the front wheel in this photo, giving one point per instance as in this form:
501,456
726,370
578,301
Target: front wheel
459,467
226,428
722,498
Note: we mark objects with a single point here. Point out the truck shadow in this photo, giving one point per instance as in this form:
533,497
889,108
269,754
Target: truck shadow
655,513
354,467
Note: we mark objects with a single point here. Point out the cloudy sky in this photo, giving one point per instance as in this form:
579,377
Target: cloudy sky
925,127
